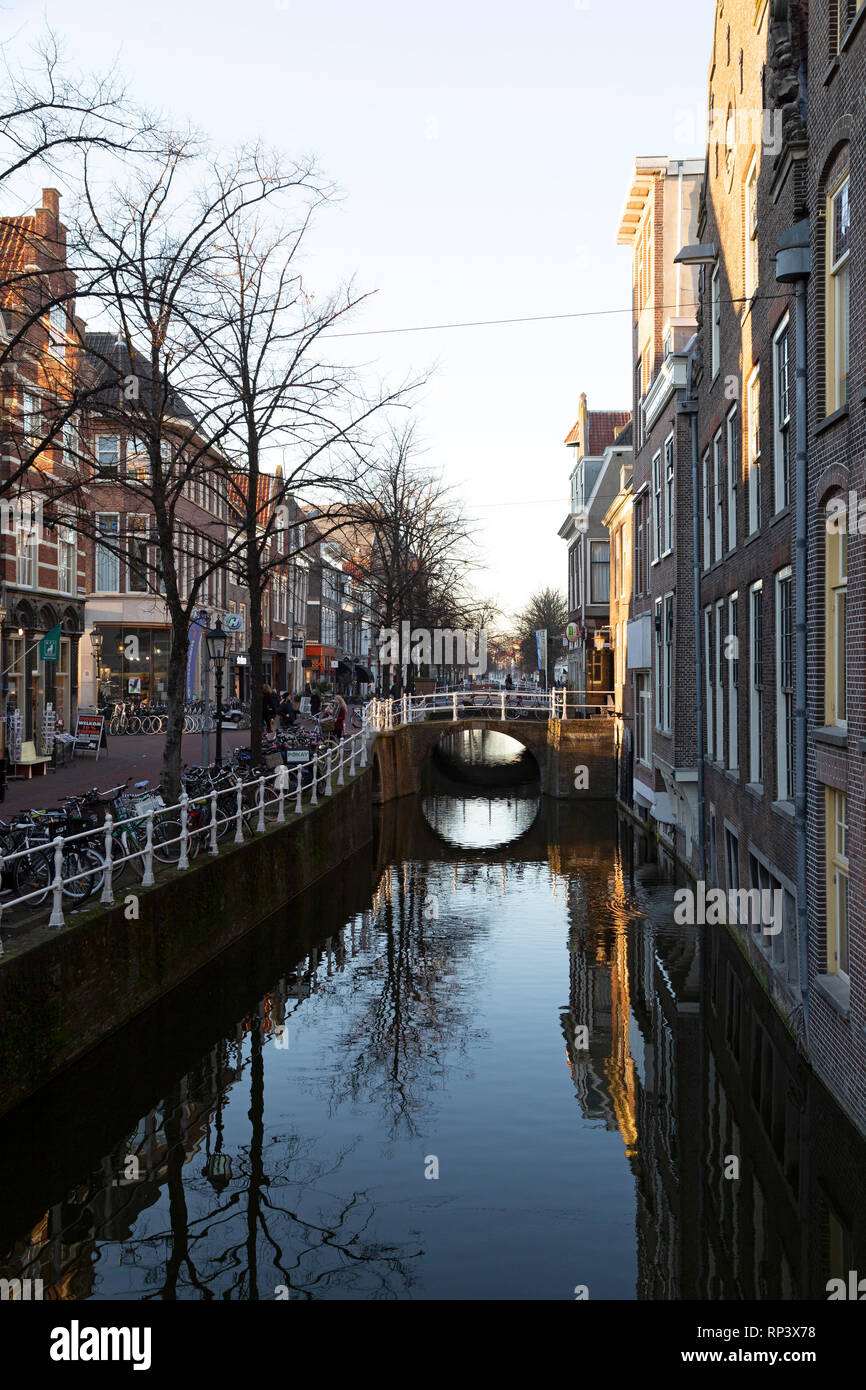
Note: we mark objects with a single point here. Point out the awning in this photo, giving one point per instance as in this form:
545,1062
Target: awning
662,809
344,668
363,675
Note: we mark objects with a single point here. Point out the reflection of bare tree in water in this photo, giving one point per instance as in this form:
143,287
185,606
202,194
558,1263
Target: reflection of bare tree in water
415,1018
305,1238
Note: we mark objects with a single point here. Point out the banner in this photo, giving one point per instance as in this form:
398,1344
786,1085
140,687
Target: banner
541,647
49,645
196,629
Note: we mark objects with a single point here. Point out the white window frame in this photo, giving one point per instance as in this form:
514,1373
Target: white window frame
718,503
733,681
669,494
753,409
709,668
657,505
781,417
718,648
784,698
733,460
838,293
716,320
97,449
707,530
756,696
102,555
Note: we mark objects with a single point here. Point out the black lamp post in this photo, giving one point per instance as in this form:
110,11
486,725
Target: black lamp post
217,641
96,644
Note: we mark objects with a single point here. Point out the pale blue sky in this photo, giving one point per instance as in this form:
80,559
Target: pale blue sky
485,151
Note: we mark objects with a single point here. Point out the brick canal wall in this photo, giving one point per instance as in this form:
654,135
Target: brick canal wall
64,991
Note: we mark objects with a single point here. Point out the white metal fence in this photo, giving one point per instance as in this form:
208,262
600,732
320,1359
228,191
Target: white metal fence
382,715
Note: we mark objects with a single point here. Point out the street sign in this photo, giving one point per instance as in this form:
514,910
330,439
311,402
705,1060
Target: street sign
89,733
297,755
49,645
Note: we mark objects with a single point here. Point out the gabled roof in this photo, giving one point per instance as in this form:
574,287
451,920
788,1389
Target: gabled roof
110,362
602,428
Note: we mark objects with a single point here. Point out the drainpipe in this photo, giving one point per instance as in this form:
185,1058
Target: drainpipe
793,266
690,407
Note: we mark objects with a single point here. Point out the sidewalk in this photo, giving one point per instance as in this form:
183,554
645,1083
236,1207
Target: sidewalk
138,755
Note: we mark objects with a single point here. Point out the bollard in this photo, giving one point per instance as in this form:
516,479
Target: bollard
107,882
147,877
183,861
56,918
239,830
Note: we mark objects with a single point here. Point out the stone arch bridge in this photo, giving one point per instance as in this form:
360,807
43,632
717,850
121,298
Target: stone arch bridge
575,757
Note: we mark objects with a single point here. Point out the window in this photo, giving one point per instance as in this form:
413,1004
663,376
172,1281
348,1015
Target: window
751,229
756,684
669,661
716,319
657,506
732,859
58,325
754,456
837,881
27,556
719,720
669,493
137,541
837,294
733,441
707,509
107,559
718,502
659,663
784,686
70,441
31,417
643,727
733,655
709,674
781,420
638,545
137,460
67,559
107,454
599,567
836,620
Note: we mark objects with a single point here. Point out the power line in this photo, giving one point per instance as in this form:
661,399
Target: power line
531,318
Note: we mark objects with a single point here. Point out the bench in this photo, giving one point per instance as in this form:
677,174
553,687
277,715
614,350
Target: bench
29,764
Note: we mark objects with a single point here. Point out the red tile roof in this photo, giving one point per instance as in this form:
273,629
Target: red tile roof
603,426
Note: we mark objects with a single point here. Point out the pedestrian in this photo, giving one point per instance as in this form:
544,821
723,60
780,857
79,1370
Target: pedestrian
270,704
288,711
315,703
509,683
340,710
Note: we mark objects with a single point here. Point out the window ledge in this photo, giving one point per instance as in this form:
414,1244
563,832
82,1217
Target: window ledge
852,30
829,734
733,773
756,788
780,515
831,70
837,990
752,536
784,808
829,421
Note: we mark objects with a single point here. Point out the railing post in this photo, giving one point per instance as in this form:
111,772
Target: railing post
147,876
314,799
363,750
239,834
405,712
183,861
56,918
213,823
341,780
354,747
280,783
107,882
299,790
454,706
502,703
328,762
260,823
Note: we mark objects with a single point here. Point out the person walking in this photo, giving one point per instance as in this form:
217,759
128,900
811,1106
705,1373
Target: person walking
315,703
270,705
288,711
340,710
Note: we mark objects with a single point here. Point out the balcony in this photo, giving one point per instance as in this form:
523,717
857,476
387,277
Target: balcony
673,375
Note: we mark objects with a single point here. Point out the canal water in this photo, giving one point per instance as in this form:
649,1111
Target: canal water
479,1062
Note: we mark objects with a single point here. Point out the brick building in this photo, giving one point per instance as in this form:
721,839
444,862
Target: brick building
593,484
41,564
660,215
836,633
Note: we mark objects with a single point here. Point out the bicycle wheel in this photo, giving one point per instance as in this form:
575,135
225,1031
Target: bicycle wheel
34,874
84,869
133,725
114,726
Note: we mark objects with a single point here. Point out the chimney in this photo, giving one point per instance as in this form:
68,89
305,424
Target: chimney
51,202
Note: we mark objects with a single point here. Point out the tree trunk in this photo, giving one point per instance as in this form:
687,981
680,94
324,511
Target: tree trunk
254,579
170,784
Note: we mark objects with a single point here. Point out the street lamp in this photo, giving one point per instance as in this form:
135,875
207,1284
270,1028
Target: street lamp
96,645
217,642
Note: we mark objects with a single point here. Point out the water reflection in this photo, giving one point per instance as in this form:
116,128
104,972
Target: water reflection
581,1070
479,822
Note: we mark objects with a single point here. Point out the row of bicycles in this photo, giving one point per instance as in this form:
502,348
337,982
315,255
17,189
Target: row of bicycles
129,717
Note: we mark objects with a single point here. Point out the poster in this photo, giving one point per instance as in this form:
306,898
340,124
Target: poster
89,733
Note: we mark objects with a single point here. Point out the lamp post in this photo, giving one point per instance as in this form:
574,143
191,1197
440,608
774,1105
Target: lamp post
96,645
217,642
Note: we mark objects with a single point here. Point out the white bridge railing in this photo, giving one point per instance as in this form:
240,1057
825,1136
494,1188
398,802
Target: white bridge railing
74,869
385,714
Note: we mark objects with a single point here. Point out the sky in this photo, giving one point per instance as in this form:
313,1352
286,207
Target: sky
484,151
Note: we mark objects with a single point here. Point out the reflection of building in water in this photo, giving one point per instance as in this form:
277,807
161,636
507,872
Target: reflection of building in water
63,1247
599,1058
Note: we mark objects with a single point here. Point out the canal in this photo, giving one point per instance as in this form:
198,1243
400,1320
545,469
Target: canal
479,1062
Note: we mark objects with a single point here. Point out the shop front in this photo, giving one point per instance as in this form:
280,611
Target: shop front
323,661
132,663
30,684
